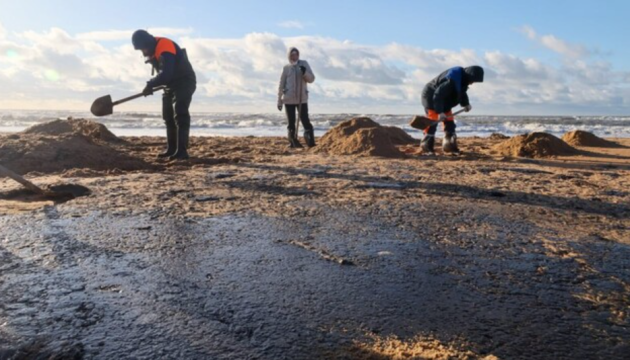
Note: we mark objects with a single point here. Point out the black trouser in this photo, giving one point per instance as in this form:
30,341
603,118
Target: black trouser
176,104
306,122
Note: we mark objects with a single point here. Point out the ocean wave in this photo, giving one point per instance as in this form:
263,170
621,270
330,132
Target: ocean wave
274,124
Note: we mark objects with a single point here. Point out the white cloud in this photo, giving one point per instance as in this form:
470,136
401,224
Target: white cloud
120,35
39,68
555,44
292,24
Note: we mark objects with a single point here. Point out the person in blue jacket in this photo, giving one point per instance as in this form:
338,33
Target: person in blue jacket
440,96
174,71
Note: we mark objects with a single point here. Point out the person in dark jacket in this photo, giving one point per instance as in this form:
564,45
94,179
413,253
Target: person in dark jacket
440,96
174,71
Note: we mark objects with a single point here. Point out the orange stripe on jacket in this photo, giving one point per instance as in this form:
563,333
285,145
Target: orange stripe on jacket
164,45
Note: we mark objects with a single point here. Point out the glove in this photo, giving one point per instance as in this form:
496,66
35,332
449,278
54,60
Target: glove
442,117
148,90
303,68
468,108
279,106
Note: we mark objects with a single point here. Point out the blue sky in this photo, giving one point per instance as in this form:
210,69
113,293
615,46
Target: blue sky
563,37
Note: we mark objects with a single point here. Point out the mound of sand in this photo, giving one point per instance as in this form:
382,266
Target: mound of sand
363,137
586,139
63,145
534,145
88,128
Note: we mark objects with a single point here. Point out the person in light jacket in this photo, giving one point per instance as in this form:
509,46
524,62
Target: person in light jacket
293,95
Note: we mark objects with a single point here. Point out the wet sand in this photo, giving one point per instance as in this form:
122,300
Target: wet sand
251,250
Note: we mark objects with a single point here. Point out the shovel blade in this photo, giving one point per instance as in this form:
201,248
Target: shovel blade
421,122
103,106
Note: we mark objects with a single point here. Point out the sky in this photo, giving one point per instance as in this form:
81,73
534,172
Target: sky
541,57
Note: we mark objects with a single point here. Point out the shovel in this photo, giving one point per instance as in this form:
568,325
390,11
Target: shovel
27,184
104,106
423,122
34,188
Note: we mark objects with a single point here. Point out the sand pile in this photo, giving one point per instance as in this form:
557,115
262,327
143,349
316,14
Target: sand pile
88,128
363,137
65,145
586,139
534,145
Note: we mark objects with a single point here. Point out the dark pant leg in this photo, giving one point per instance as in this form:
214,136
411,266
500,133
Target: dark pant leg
306,121
168,113
290,111
449,128
181,103
431,130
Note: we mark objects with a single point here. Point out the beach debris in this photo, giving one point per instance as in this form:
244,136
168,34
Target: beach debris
534,145
498,136
382,185
586,139
364,137
322,253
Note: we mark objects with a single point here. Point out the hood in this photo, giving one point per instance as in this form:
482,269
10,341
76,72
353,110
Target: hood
141,39
474,74
290,51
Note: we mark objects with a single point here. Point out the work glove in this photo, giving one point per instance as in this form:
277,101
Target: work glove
303,68
468,108
442,117
148,90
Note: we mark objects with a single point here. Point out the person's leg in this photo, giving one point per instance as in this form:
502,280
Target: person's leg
168,114
309,133
182,100
291,119
428,142
449,145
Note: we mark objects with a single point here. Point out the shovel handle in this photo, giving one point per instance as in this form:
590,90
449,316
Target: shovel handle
27,184
455,114
133,97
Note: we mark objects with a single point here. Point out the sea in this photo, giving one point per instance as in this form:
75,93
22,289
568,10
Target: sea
246,124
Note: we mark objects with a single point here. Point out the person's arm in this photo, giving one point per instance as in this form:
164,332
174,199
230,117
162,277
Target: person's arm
281,86
463,98
166,74
309,76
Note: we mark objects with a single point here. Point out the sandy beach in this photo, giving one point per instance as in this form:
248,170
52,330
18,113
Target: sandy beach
252,250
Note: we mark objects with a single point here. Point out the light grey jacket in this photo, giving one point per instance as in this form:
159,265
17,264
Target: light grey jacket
292,82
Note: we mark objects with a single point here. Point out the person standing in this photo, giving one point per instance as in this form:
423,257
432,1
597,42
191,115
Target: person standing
440,96
174,71
293,95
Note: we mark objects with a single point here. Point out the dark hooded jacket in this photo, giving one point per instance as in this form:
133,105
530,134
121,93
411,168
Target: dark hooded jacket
168,60
450,89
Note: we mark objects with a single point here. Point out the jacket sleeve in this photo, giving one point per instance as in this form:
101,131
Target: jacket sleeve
166,74
463,98
281,86
443,92
309,76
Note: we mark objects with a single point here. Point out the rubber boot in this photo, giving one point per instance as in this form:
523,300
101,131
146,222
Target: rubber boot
449,144
309,136
171,143
428,145
294,143
182,144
